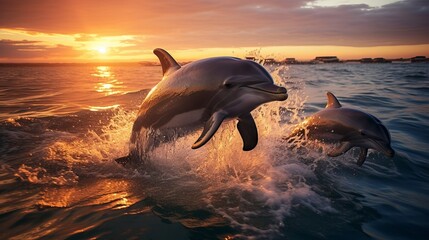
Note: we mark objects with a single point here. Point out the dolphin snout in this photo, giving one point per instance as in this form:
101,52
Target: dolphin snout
281,90
387,151
390,153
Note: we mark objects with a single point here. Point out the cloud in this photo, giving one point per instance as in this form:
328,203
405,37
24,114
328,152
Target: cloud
85,37
223,23
24,49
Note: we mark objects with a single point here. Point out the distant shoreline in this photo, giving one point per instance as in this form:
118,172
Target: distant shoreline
268,61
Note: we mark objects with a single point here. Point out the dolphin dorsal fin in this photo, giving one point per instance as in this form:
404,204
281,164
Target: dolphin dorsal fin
332,101
169,65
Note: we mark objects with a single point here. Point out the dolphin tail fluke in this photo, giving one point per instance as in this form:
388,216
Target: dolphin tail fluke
362,156
248,131
210,129
133,161
123,160
343,148
169,65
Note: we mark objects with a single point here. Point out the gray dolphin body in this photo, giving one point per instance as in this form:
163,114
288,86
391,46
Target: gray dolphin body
205,93
349,127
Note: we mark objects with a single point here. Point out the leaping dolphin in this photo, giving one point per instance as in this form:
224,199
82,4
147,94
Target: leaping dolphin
349,127
205,93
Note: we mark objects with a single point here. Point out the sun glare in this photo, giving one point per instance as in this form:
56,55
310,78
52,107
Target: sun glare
102,50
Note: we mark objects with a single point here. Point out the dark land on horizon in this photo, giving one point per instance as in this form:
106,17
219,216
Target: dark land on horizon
287,61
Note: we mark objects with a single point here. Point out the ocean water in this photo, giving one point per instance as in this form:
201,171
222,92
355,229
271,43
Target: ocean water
61,126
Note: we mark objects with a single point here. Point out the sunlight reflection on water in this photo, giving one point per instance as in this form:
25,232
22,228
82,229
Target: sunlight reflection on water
95,108
107,82
110,193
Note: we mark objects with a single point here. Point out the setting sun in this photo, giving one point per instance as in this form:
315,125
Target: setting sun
102,50
79,31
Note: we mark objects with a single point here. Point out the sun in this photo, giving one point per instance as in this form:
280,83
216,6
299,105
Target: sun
102,49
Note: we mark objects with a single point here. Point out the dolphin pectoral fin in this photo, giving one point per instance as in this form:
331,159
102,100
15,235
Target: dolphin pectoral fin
343,148
248,131
362,156
210,128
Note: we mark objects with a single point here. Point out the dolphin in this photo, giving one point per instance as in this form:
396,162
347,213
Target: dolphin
204,93
349,127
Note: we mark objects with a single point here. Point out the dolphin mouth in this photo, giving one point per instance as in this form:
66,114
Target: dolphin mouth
386,150
280,92
389,153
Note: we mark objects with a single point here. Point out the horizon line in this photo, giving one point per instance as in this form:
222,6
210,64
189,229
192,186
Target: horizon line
259,58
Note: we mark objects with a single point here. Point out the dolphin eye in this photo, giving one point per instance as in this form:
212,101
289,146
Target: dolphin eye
228,85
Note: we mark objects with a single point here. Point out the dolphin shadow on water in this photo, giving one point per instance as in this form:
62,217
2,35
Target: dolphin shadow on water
201,94
348,127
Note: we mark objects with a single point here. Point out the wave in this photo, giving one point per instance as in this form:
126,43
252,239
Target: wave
257,194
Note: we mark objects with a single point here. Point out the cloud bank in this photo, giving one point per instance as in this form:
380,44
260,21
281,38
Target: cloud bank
34,49
222,23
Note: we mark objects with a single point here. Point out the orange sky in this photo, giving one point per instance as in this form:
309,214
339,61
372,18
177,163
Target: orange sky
108,30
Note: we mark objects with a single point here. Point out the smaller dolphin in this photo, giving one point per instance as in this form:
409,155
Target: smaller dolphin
349,127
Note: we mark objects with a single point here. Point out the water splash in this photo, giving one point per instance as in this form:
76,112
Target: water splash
253,191
39,175
63,157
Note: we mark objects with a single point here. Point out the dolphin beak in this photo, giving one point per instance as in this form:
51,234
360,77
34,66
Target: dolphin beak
280,92
387,151
384,148
390,153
